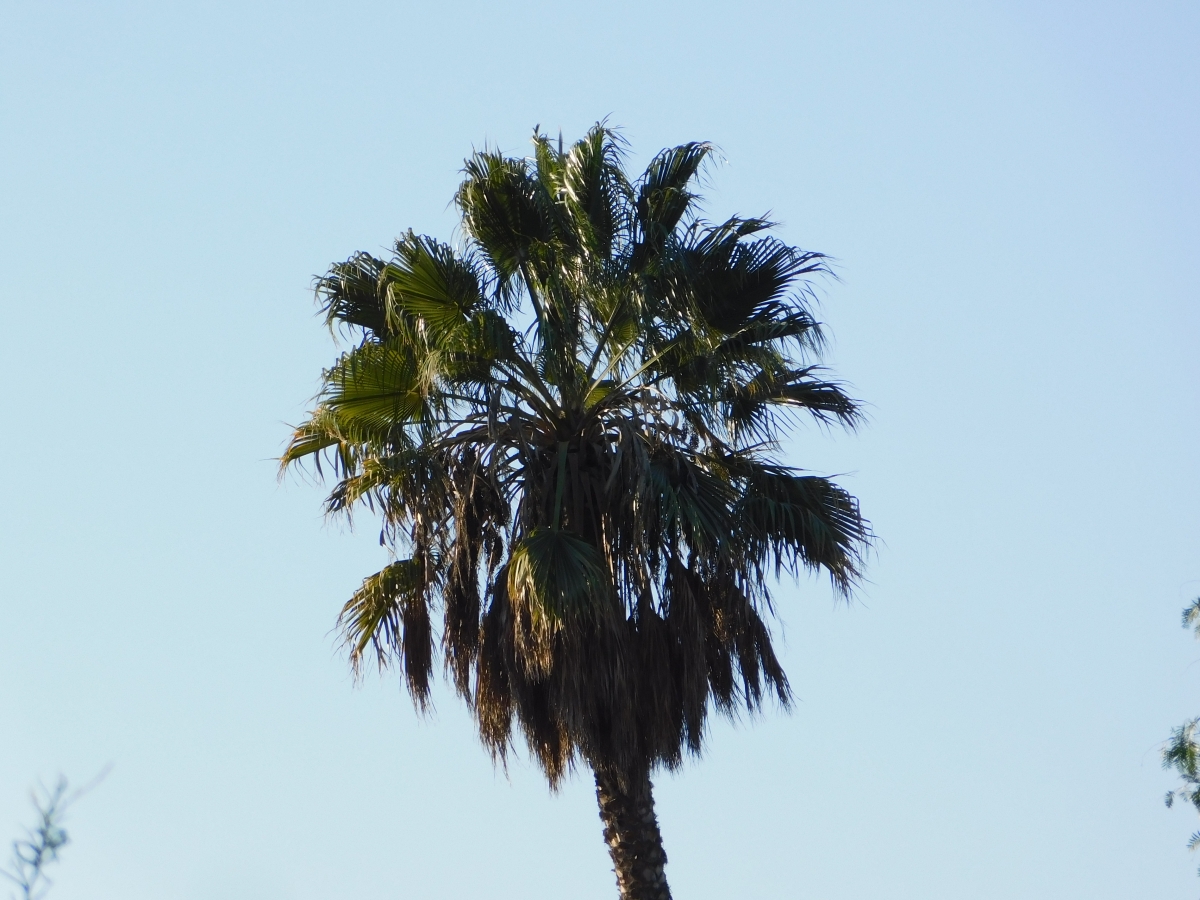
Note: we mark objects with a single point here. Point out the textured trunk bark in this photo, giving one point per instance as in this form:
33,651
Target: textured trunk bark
631,832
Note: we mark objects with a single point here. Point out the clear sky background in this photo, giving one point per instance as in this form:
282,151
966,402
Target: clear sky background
1012,193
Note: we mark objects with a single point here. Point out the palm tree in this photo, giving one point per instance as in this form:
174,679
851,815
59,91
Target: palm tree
569,427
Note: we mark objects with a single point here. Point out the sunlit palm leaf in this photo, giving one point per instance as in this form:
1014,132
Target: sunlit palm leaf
389,613
351,294
559,575
430,286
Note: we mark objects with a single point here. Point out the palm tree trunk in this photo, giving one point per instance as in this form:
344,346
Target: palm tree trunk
631,832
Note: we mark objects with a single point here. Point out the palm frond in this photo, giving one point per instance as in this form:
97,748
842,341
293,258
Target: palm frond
558,576
1191,616
802,521
390,613
748,406
664,197
429,286
503,210
597,191
350,294
380,387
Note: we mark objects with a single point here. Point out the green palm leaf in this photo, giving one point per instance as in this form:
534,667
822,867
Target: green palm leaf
429,288
802,521
558,575
389,613
664,197
351,293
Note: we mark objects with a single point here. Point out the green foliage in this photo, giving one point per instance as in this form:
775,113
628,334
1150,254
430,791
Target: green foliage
569,426
1182,752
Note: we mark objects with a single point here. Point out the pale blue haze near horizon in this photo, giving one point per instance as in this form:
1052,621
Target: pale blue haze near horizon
1011,191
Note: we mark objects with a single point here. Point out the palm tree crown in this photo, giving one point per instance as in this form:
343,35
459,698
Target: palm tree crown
569,427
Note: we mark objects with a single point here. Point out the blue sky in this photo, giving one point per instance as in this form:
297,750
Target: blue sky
1011,193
